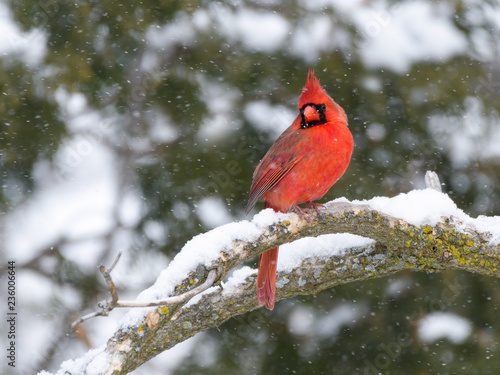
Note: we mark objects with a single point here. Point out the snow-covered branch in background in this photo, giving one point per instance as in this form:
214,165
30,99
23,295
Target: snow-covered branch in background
421,230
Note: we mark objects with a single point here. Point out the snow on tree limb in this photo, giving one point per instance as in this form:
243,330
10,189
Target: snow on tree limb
421,230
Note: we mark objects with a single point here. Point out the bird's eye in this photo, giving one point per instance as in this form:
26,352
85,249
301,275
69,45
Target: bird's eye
322,107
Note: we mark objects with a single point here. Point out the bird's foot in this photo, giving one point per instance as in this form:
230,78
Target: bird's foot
299,211
309,205
316,206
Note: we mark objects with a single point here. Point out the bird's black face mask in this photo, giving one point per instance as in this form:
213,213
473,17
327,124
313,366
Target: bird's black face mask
320,109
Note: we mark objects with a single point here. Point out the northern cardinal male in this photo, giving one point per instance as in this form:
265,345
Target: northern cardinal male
300,167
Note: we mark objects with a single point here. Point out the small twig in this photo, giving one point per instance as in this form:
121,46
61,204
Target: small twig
209,282
87,317
432,181
111,268
108,305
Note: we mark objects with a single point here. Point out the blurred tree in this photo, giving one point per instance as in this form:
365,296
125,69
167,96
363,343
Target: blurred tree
190,96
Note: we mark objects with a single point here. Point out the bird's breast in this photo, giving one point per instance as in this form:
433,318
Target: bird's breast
326,153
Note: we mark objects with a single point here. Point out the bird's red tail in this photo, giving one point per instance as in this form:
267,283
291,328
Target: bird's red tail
266,278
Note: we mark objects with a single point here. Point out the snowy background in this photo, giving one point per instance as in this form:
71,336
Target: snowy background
135,127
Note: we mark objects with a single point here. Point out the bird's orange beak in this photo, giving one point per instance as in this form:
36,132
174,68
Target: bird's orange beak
311,114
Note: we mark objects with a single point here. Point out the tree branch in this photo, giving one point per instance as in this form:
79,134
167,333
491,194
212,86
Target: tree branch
399,245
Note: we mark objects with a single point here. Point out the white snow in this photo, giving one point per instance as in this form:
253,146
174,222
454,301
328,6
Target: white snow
325,246
200,250
306,321
167,36
488,224
428,207
471,136
256,30
444,325
31,46
407,33
170,360
345,314
94,362
79,117
155,231
220,101
394,37
197,298
316,34
376,132
301,320
64,203
237,278
398,287
417,207
270,118
268,217
213,212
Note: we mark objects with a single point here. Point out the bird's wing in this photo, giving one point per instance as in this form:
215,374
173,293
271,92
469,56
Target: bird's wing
268,173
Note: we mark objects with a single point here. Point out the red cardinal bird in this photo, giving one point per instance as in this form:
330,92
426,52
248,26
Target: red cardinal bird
300,167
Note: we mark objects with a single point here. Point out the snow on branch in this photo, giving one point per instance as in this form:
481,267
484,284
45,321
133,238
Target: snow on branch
421,230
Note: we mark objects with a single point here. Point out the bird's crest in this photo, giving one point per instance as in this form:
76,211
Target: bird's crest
312,91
